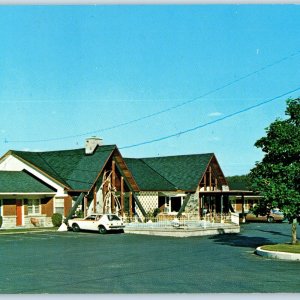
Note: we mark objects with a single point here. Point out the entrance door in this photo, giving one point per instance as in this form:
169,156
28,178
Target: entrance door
19,219
175,204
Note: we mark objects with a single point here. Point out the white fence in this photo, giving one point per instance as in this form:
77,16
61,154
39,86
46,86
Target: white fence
186,221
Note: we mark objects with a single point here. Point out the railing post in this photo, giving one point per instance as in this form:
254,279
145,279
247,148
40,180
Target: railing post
221,208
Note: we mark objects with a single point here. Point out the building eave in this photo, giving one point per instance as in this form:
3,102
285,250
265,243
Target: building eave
40,171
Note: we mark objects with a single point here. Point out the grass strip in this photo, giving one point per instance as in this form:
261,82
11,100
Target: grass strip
289,248
23,230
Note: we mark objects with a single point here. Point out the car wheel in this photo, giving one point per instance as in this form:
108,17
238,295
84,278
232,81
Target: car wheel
270,219
102,229
75,228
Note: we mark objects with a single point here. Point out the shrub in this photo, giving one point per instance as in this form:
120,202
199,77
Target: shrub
156,212
152,214
56,219
79,214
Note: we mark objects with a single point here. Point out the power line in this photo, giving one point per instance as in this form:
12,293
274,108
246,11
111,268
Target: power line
211,122
164,110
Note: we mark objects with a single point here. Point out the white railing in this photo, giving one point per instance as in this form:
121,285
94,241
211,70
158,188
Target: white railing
186,221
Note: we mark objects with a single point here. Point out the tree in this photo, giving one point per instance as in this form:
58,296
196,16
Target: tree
277,176
239,182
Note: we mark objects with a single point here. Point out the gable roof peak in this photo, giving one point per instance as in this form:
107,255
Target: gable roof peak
72,168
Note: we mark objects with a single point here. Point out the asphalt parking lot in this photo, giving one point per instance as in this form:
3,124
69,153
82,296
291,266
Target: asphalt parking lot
67,262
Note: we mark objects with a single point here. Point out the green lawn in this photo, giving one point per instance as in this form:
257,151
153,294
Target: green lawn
24,230
283,248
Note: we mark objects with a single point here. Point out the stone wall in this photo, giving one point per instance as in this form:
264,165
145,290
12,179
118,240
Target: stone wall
192,207
9,222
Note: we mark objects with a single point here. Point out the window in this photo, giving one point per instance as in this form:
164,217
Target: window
91,218
34,206
59,206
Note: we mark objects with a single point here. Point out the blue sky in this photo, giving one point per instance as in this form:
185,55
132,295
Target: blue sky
72,70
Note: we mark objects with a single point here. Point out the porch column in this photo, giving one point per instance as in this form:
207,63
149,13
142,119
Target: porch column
221,208
200,206
243,209
85,208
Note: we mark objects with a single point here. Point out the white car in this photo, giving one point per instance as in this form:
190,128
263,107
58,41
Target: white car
97,222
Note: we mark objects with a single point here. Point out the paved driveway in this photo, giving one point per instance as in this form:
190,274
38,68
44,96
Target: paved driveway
122,263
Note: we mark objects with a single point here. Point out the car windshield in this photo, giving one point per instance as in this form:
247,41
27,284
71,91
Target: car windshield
277,211
113,218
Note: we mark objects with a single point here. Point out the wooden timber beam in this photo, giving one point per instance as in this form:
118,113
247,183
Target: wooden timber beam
210,178
113,185
137,201
130,205
205,184
122,196
95,199
74,207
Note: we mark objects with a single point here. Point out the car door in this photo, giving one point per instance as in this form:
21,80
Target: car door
89,223
250,217
262,218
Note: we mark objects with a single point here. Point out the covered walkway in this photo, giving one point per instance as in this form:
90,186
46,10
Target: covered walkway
215,205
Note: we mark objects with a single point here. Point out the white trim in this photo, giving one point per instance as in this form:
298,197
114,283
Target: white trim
11,163
23,212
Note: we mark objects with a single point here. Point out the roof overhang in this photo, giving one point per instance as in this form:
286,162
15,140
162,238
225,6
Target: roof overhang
232,192
29,164
125,170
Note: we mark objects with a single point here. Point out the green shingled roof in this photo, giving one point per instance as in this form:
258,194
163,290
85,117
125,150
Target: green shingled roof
72,168
146,178
21,182
182,172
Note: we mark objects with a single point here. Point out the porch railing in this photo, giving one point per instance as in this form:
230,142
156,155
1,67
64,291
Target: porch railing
184,221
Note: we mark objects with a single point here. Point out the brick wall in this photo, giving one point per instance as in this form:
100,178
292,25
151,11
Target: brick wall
9,207
47,207
67,205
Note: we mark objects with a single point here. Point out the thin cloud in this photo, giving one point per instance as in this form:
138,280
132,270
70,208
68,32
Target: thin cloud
215,114
214,139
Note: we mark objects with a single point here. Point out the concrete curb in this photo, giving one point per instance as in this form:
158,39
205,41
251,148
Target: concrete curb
278,255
